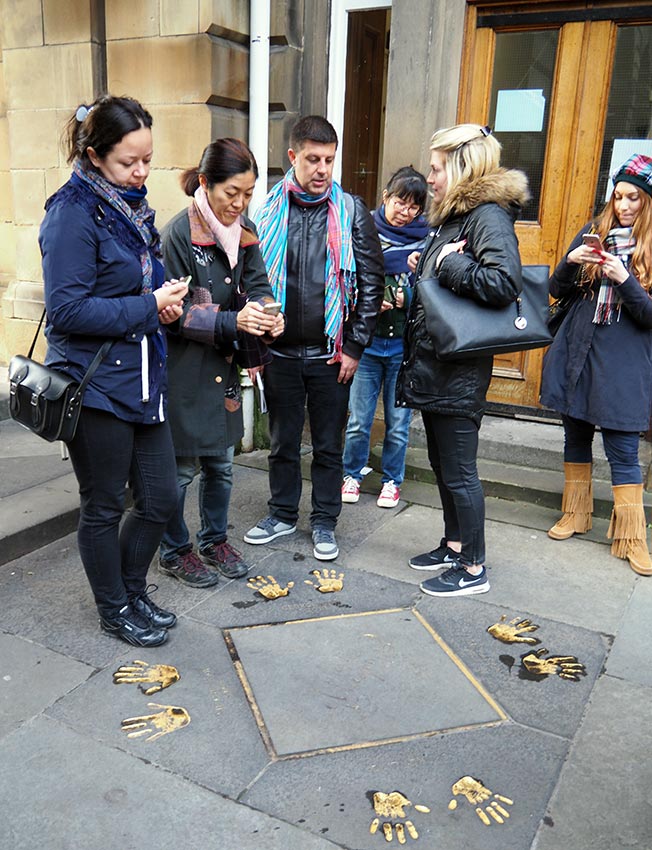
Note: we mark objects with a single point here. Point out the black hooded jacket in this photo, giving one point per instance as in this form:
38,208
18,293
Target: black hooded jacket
482,212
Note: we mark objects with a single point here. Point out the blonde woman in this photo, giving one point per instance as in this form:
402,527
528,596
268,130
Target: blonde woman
597,371
473,251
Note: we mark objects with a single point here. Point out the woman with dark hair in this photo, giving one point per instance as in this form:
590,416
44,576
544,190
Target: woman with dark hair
217,245
402,230
597,371
104,281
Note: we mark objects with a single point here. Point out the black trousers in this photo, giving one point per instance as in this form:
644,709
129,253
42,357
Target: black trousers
106,453
291,384
453,452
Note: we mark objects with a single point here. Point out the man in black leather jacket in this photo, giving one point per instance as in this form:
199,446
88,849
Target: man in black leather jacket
325,266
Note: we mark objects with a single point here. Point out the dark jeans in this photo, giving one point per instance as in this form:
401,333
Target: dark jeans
621,448
453,451
290,384
106,453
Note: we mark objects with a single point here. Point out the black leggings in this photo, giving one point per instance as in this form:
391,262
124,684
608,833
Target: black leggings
453,452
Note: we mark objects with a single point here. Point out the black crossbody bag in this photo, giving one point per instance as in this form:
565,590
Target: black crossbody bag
45,401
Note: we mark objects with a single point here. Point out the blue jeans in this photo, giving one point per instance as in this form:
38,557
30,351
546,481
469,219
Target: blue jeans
215,484
621,448
378,368
106,453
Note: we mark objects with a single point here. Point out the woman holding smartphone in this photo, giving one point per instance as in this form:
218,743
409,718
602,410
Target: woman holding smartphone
217,245
597,371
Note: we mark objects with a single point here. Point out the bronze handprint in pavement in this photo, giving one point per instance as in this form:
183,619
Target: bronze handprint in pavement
393,806
516,631
477,795
565,666
171,718
140,673
269,587
328,581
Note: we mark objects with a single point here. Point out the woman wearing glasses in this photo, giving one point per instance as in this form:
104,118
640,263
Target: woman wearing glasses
402,230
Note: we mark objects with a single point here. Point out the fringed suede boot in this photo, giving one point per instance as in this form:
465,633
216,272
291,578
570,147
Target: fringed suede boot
627,528
576,502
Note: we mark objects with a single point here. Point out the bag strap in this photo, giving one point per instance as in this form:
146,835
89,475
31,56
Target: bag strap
92,369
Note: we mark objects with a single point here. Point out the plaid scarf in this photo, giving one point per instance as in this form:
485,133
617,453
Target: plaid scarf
340,290
621,242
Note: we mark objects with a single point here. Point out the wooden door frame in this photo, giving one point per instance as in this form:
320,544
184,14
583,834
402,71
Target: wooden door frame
337,64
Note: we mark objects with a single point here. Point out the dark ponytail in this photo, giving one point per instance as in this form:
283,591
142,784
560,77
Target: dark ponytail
220,160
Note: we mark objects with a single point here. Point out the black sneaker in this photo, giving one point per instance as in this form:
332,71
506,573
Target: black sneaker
188,569
226,559
439,557
157,617
456,581
132,627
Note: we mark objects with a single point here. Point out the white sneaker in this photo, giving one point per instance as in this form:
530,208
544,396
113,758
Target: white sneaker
350,490
389,495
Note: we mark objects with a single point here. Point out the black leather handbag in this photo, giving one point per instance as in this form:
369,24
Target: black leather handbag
45,401
462,328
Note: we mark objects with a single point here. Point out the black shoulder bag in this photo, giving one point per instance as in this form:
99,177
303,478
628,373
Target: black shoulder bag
45,401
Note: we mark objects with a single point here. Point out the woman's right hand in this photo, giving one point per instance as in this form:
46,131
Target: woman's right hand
170,294
254,320
413,260
583,254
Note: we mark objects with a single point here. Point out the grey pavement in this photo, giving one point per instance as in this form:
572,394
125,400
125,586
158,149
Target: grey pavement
297,710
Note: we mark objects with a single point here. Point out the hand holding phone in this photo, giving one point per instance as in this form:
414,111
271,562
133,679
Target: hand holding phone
272,308
592,240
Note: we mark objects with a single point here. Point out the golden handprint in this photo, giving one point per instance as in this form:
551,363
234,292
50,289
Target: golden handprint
328,581
513,631
476,793
393,805
171,718
269,587
565,666
160,675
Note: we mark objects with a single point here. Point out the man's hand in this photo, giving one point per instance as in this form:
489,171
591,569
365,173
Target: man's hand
171,718
565,666
393,805
513,631
477,794
159,676
328,581
269,587
348,365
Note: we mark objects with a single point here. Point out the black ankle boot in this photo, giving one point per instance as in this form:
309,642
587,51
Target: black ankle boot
158,618
132,627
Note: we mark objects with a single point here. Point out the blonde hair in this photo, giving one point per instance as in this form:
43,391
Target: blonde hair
471,152
641,264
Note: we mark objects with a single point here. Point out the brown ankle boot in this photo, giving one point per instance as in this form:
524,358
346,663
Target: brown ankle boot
576,502
627,528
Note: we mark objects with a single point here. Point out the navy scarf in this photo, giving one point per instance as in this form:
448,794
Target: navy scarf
399,242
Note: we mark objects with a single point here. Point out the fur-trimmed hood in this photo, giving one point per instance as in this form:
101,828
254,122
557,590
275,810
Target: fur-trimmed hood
506,187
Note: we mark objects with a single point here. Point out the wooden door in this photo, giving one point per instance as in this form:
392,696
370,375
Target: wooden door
364,103
547,83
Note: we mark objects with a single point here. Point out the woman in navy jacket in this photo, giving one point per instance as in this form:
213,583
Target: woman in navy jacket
104,280
598,370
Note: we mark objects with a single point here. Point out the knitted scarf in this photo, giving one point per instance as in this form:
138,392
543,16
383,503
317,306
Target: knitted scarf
621,242
228,236
340,289
399,242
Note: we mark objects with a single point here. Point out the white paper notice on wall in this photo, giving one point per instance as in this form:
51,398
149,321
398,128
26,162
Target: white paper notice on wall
622,150
520,111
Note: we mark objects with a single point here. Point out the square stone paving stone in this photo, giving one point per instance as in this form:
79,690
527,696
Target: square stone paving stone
603,800
238,605
221,747
552,704
31,678
630,655
332,794
66,792
354,679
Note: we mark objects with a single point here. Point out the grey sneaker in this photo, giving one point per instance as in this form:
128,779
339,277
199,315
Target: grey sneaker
268,529
324,544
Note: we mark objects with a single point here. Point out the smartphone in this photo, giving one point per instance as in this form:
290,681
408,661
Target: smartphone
185,279
390,295
272,308
592,240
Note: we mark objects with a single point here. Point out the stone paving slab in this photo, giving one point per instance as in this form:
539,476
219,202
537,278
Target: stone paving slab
375,676
603,800
220,749
630,654
331,794
108,800
571,581
237,605
31,678
551,704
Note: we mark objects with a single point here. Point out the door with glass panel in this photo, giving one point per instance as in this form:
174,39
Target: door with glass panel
569,100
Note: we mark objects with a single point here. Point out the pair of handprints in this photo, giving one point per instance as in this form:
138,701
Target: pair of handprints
537,662
327,581
151,678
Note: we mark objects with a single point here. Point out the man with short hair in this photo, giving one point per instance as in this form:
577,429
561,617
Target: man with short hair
325,265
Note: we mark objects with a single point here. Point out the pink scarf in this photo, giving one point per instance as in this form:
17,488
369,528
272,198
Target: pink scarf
227,237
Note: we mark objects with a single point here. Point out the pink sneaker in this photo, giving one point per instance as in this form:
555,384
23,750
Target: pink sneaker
350,490
389,495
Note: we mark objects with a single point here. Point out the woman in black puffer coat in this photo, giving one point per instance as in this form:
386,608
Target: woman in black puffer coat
473,196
